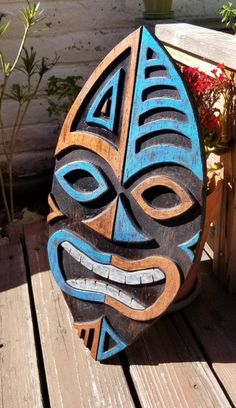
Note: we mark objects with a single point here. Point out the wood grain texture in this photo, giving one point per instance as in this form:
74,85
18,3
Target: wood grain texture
172,285
94,143
55,212
131,139
213,324
19,375
103,223
162,213
207,44
168,369
73,377
213,211
84,330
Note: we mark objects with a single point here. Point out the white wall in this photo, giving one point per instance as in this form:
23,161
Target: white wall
198,8
81,32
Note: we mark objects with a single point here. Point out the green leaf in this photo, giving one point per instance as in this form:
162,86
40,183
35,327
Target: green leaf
32,14
4,27
62,93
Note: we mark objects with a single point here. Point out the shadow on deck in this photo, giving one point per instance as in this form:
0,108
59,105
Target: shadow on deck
187,359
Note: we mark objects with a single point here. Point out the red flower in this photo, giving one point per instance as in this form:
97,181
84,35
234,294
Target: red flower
207,91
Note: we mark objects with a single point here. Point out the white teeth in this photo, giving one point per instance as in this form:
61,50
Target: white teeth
113,273
98,286
116,277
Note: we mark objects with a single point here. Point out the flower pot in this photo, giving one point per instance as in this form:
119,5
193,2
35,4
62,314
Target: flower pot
158,9
190,288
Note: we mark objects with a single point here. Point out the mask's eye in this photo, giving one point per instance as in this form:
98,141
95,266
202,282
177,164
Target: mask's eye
162,198
82,181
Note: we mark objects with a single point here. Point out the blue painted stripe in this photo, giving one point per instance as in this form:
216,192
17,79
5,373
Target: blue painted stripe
53,254
125,230
119,344
186,246
160,81
79,195
163,124
189,158
163,154
154,103
108,123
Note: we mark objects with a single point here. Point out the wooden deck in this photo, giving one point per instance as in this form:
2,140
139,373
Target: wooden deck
186,360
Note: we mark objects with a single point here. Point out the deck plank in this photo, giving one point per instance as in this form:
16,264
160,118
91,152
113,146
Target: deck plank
169,370
19,376
74,379
212,317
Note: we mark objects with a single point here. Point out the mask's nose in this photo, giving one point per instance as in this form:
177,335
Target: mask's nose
117,223
125,227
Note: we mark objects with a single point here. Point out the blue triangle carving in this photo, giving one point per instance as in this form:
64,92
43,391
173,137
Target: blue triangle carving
186,246
120,344
125,230
112,85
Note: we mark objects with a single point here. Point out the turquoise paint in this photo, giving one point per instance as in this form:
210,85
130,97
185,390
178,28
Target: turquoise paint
78,195
186,246
124,229
160,154
137,161
119,344
53,254
112,86
159,103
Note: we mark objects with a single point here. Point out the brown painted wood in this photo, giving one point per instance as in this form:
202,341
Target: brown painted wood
150,211
162,214
116,160
19,374
169,370
103,223
172,285
84,330
55,212
213,211
73,377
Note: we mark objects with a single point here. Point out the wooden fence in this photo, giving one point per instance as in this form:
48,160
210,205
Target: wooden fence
205,49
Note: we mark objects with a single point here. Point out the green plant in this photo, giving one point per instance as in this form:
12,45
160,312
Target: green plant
61,94
228,14
27,62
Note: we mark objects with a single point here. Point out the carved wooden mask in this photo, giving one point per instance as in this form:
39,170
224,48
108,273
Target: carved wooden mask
127,195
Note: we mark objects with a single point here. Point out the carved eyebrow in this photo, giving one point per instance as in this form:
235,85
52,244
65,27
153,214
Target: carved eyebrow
186,201
78,166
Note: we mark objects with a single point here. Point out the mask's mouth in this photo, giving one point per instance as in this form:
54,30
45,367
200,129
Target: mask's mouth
112,269
112,274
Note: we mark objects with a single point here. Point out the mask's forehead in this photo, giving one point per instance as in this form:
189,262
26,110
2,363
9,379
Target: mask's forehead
140,116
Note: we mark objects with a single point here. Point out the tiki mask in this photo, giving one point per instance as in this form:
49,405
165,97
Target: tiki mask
127,195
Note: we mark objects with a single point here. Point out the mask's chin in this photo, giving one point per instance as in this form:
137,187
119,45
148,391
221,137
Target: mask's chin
102,272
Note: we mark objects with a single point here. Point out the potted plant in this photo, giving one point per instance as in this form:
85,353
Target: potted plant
213,95
22,94
158,9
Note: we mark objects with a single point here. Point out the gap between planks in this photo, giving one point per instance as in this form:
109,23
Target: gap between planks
73,377
212,319
19,374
